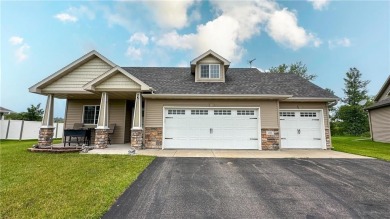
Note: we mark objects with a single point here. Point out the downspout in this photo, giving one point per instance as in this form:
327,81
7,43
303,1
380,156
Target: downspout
369,121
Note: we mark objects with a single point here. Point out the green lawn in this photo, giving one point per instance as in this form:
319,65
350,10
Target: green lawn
368,148
40,185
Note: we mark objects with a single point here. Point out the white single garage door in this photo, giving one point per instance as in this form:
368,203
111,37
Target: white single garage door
211,128
301,129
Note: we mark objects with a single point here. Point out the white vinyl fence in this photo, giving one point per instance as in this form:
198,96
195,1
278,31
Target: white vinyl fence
21,130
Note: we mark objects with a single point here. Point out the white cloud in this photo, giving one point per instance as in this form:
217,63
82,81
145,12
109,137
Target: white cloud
319,4
22,48
176,41
118,19
283,28
171,14
65,17
134,53
73,14
82,11
343,42
16,40
236,23
139,37
21,52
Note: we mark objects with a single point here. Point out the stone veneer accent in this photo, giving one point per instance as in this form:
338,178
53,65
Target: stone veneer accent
136,138
101,138
45,136
270,142
153,138
328,139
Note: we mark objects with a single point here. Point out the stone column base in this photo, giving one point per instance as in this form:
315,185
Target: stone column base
45,136
101,138
153,137
270,139
328,139
137,138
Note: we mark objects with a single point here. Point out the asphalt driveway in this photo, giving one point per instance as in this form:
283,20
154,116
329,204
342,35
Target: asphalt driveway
258,188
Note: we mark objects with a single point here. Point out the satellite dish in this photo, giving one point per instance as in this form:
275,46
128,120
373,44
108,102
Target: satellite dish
362,102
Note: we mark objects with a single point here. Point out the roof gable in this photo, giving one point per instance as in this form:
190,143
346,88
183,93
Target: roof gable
210,52
385,89
101,64
116,79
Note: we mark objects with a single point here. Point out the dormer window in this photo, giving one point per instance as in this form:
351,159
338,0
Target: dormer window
210,71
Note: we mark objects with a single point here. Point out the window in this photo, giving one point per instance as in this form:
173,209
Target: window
176,112
287,114
222,112
245,112
199,112
209,71
91,114
308,114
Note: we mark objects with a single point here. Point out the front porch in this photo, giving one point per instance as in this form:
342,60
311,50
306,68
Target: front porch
121,110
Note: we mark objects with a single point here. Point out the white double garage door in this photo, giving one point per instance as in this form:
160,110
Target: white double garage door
235,128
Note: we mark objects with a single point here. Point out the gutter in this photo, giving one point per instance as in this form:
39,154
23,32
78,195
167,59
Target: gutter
215,96
311,99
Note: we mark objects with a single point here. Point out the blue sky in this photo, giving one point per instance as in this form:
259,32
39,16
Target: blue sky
40,37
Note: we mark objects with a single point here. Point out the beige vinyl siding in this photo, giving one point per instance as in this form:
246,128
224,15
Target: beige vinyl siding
75,80
210,60
300,105
154,109
117,112
117,115
380,124
384,95
118,81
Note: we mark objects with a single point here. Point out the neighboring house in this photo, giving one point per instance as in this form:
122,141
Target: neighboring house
379,114
206,106
4,111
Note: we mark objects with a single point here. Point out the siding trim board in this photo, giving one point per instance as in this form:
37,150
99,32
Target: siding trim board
154,109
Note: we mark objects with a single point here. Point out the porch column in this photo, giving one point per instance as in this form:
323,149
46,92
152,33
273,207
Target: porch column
46,132
101,131
136,129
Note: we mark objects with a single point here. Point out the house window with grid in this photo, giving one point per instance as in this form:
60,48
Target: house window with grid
91,114
209,71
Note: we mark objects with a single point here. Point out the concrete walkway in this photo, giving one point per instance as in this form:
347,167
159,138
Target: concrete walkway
123,149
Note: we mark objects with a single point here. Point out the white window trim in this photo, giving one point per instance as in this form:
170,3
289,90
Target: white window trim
200,71
82,119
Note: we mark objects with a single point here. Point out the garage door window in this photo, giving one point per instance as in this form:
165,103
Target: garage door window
287,114
245,112
176,112
308,114
222,112
199,112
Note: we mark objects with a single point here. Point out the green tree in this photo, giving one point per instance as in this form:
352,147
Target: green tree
297,68
34,113
352,118
355,88
14,116
58,119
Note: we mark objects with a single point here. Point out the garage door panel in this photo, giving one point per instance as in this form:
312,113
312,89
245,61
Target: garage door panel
300,129
214,129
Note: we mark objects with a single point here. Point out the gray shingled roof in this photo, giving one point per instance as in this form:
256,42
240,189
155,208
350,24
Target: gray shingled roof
379,104
171,80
